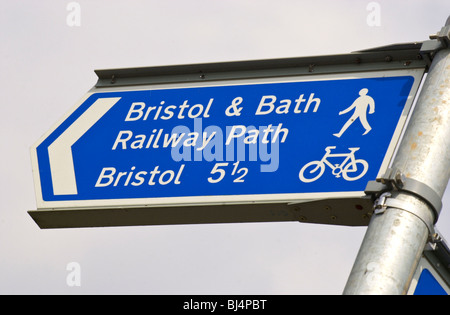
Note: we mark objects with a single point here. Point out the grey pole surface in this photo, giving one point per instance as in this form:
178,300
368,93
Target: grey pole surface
397,235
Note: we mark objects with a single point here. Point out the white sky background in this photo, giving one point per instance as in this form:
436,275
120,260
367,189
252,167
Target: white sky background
45,68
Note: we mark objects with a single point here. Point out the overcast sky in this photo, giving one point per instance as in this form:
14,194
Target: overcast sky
46,67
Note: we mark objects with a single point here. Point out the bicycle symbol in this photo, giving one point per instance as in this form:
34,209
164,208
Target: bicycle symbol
351,168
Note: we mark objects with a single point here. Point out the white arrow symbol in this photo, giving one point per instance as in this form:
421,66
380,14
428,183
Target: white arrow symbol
60,151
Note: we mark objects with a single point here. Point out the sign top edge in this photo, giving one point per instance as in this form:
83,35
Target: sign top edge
388,57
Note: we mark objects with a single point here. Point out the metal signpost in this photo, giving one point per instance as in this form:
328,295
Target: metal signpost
235,142
262,141
408,209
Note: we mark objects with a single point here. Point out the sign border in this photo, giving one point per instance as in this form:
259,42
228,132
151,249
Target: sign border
416,73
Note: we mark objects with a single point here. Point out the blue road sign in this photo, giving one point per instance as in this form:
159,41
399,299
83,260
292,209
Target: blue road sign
238,141
428,285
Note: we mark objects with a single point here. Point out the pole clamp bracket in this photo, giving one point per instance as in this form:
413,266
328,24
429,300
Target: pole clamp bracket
385,201
395,180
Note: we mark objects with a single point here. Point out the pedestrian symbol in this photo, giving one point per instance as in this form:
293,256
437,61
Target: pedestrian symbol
360,106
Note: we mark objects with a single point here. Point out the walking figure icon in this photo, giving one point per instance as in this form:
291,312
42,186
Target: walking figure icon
360,105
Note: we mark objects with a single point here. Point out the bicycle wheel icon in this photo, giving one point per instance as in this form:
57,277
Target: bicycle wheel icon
312,171
355,171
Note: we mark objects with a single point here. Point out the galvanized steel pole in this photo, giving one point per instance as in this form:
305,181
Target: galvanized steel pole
399,231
